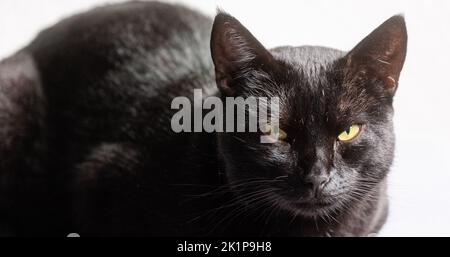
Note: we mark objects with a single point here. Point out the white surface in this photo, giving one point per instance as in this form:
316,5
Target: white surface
420,180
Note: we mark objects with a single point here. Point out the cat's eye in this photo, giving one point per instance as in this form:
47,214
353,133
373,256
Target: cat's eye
350,133
275,132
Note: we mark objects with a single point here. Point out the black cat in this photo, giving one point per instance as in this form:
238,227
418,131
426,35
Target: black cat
86,144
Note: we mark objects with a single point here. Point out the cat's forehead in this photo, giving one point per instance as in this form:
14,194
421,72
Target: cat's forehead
307,57
312,82
307,67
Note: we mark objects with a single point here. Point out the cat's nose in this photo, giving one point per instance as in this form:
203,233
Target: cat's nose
317,183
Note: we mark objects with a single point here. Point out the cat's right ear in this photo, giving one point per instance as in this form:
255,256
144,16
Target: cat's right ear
21,114
20,91
234,51
19,77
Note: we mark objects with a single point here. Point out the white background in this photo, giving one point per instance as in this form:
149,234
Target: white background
420,179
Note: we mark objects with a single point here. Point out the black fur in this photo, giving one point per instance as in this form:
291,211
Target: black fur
86,144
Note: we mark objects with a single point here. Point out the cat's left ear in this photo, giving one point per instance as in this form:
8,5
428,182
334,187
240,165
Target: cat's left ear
380,55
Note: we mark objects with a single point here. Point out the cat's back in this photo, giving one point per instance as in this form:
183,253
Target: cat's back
109,74
121,31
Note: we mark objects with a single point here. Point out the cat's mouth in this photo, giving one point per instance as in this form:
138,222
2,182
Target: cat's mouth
313,208
310,207
313,204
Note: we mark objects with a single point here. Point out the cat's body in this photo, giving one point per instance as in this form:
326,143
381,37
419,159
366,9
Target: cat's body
96,154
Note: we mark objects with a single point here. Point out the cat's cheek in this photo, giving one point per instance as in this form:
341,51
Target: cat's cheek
281,147
281,157
343,180
352,152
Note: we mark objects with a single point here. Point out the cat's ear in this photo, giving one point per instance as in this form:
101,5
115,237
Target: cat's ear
380,55
18,73
20,106
21,114
19,89
235,50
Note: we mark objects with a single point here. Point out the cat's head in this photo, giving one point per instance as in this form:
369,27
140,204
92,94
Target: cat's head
335,111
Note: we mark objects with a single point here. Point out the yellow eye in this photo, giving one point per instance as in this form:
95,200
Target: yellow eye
350,133
276,133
